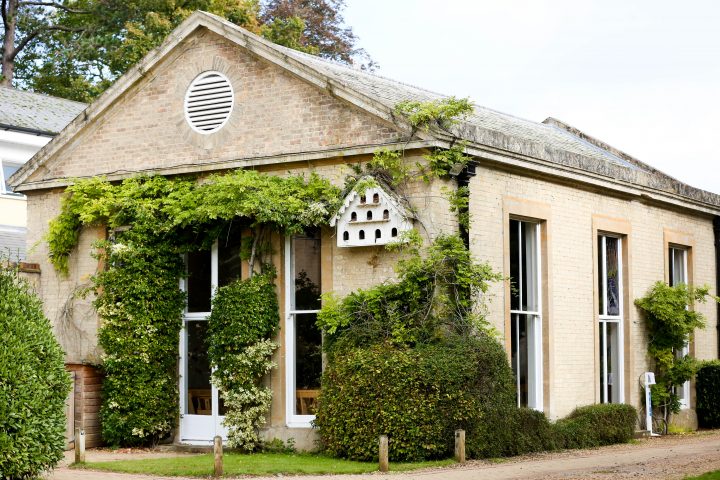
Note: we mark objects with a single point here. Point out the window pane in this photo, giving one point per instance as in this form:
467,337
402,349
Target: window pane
199,391
514,265
7,171
198,281
612,272
306,266
529,264
678,273
600,263
308,363
603,370
519,334
613,355
229,262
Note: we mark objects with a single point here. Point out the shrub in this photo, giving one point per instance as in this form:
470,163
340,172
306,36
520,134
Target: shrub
597,425
140,304
508,431
708,394
244,316
33,384
417,396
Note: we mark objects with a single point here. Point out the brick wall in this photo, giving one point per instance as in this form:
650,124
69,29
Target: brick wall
571,272
274,113
86,402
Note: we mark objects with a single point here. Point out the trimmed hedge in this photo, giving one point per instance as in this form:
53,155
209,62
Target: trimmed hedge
33,384
707,387
597,425
417,396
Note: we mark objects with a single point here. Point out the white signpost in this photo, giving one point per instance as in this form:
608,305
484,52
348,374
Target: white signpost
649,380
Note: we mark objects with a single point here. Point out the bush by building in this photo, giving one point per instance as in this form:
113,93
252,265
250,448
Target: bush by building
33,383
707,387
417,396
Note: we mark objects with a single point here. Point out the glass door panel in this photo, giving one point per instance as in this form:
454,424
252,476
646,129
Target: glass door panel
199,388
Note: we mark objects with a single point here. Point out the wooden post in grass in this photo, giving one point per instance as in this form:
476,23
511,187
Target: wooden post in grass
460,446
79,445
383,454
218,450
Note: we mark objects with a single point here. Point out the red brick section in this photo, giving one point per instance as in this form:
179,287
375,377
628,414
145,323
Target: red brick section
88,383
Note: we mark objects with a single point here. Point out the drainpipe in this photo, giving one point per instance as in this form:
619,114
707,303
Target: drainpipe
716,230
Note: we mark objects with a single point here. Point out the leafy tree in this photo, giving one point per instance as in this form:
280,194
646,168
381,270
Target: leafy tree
26,24
322,31
77,48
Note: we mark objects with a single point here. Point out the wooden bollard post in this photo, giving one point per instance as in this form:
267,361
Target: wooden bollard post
460,446
383,454
79,445
218,450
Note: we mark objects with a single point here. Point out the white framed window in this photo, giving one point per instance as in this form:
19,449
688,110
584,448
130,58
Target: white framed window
610,319
8,168
678,274
303,339
526,313
202,408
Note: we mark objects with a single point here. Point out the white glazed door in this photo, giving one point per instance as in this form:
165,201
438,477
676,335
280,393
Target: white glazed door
202,411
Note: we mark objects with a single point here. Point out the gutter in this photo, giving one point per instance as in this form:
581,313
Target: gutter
716,231
33,131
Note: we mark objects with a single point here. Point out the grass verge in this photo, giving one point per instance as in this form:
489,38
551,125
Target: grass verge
706,476
252,464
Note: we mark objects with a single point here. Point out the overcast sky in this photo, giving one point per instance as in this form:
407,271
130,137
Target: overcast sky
643,76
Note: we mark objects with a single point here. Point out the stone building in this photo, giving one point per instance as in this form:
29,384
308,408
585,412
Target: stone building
581,227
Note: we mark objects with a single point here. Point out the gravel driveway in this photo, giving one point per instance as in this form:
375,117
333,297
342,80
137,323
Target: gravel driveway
672,457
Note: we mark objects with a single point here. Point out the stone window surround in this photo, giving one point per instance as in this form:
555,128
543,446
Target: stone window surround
539,213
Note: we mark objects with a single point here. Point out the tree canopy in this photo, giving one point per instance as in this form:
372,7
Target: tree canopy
76,48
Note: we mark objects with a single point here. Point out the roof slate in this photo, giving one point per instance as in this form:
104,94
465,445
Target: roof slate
498,136
34,111
391,92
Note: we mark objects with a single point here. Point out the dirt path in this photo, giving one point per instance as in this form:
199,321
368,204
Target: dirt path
657,458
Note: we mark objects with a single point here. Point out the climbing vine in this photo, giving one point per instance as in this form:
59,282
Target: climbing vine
670,326
153,220
244,318
443,112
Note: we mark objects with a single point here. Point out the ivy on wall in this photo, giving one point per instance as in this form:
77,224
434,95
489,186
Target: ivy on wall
155,220
243,320
670,326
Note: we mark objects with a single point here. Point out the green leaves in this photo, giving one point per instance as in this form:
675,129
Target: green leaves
244,317
433,297
416,396
670,327
140,303
707,387
33,383
442,113
180,210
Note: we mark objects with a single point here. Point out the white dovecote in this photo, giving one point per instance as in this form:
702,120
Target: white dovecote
374,217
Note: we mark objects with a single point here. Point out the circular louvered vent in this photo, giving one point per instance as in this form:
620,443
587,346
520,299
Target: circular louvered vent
209,102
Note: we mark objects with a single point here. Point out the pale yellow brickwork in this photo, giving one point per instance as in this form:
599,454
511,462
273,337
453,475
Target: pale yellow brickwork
570,244
73,317
274,113
278,114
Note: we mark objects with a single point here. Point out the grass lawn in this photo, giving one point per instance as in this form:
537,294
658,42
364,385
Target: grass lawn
253,464
706,476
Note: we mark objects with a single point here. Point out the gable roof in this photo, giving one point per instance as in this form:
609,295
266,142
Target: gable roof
30,111
550,147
